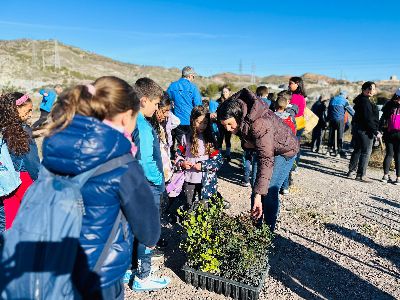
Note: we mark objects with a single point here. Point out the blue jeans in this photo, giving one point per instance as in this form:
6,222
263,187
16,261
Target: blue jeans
2,217
114,292
270,202
145,253
286,184
250,165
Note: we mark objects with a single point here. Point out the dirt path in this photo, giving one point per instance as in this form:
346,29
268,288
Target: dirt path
336,238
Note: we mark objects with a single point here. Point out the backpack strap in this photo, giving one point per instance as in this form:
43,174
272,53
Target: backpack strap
105,168
113,164
107,246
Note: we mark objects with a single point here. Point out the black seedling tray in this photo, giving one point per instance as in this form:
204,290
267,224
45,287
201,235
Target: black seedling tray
220,285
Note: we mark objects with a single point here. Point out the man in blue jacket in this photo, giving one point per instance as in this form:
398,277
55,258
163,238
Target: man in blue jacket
184,95
336,112
49,97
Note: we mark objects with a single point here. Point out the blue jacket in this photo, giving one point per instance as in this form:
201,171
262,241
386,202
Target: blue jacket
337,108
81,146
47,101
149,153
28,162
184,96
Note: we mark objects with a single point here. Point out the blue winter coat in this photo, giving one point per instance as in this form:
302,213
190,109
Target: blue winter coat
83,145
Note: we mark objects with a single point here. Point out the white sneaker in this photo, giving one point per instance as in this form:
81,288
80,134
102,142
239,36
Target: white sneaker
285,192
150,283
385,178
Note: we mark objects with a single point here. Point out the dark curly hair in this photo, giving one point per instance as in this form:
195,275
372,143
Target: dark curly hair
12,131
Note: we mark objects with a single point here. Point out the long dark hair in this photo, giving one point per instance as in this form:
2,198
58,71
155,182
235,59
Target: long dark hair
230,109
11,125
300,88
209,142
164,102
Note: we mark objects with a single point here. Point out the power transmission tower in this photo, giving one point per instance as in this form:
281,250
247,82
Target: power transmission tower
57,64
240,67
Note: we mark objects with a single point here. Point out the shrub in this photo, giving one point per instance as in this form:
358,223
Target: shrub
232,247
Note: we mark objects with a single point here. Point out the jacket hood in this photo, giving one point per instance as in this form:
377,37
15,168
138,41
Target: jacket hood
84,144
252,106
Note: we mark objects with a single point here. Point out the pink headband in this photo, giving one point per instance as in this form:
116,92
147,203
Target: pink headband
22,100
91,89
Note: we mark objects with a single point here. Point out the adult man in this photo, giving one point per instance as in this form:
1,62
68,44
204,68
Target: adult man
49,97
185,96
336,112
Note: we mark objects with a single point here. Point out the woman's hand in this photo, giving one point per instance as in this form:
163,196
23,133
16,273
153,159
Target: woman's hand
213,116
257,210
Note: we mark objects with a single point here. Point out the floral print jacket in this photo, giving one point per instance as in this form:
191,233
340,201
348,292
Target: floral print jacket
209,169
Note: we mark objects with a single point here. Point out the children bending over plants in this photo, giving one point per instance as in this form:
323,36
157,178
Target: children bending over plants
199,157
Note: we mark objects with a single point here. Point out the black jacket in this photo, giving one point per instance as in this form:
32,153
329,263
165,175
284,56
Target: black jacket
366,115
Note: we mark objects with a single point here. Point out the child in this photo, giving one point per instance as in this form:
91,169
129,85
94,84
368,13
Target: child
281,112
17,110
200,159
149,156
262,92
222,133
286,112
49,97
90,125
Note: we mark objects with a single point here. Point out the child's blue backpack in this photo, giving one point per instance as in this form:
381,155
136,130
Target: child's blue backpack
9,178
38,252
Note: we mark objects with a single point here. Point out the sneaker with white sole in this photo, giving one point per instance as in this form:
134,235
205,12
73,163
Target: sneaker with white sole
150,283
285,192
385,178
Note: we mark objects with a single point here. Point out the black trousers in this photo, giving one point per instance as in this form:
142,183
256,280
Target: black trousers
42,119
362,152
392,143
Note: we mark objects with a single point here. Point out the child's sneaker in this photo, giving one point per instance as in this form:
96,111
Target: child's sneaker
285,192
150,283
127,276
397,181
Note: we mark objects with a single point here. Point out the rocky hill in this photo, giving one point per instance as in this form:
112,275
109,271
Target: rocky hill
31,64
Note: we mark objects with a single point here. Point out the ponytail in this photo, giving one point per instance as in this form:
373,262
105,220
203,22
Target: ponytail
105,98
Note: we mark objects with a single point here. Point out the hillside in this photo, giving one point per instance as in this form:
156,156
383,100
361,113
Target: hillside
30,64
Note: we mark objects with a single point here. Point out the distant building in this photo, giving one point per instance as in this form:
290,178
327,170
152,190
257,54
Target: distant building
393,78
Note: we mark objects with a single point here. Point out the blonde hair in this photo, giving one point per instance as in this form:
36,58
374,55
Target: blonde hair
110,96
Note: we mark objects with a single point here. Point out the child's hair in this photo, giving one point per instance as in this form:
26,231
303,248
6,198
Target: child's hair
165,101
209,142
367,85
262,91
105,98
272,97
149,88
300,88
285,93
11,127
282,101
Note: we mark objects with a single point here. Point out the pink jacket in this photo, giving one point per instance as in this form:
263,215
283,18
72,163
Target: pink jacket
300,102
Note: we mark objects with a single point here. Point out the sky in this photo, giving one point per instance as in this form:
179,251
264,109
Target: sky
353,40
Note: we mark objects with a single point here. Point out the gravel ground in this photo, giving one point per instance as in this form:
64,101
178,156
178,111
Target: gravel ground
336,238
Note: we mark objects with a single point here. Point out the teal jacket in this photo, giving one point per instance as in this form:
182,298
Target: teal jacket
149,153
